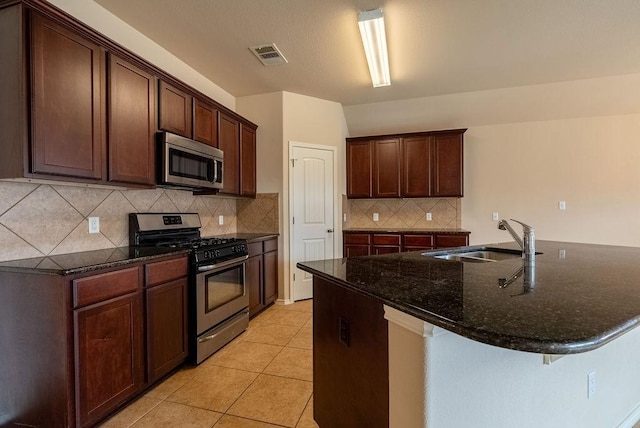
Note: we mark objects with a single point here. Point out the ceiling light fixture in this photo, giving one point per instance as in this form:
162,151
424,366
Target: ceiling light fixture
371,23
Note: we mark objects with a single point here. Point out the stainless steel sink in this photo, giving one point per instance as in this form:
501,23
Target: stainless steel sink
478,256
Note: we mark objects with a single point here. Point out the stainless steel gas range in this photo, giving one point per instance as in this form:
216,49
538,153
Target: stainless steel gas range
218,299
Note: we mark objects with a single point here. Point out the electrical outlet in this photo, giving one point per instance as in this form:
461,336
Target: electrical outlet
376,217
94,224
562,205
220,220
591,384
343,331
344,217
562,254
428,217
495,217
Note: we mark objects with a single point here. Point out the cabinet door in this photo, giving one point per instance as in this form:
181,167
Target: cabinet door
175,110
386,168
109,350
229,143
166,328
248,161
359,169
355,250
205,123
452,240
270,277
416,161
67,97
383,249
132,123
253,278
447,165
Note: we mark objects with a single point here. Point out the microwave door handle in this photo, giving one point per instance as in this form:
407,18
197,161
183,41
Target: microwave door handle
211,170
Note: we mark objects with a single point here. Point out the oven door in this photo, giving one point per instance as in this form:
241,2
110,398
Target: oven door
220,292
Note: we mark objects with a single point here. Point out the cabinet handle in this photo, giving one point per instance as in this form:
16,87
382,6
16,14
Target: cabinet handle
329,230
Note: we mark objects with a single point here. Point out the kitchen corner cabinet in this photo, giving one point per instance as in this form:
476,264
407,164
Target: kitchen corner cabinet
229,143
359,243
91,343
262,274
416,165
132,123
175,108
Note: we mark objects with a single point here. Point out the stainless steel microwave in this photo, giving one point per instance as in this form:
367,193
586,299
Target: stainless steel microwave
189,164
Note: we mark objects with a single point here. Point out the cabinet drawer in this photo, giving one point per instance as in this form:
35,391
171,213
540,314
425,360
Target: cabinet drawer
357,238
386,239
255,248
165,271
443,241
418,240
270,245
97,288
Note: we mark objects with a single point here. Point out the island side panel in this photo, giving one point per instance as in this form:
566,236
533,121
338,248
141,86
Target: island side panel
350,376
35,349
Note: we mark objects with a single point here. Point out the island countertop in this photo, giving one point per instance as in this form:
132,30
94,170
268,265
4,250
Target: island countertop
583,295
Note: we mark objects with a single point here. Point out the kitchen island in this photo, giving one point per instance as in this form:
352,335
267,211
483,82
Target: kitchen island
480,344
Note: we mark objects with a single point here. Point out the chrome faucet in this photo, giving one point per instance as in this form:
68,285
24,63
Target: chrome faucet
528,241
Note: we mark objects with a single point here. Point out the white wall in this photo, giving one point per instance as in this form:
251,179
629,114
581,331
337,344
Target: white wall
528,148
100,19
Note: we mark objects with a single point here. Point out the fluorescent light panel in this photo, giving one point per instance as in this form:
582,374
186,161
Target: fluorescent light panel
371,23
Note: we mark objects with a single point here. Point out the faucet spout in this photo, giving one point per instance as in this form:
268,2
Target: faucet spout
528,241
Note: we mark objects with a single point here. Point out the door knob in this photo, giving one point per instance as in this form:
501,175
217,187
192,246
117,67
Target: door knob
329,230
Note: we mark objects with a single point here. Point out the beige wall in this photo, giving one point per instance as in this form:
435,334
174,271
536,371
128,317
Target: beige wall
528,148
284,117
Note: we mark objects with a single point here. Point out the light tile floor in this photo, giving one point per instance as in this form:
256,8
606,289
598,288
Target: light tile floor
263,378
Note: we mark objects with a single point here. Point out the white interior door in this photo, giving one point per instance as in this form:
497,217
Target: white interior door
312,203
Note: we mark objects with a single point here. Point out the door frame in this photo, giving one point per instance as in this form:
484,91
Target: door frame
337,209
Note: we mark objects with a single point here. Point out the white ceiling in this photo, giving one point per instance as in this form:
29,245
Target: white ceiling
435,46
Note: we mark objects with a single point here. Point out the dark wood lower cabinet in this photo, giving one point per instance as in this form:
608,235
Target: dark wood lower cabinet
73,347
261,270
350,358
167,345
109,350
359,243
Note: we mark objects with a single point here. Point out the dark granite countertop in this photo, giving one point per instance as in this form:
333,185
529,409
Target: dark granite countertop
406,230
251,237
583,295
87,261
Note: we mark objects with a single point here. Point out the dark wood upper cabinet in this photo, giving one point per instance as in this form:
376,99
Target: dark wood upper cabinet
205,123
132,123
386,168
359,164
417,165
416,175
447,165
67,98
176,109
229,143
247,161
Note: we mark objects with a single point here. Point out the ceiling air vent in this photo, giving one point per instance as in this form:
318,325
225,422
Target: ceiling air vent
268,54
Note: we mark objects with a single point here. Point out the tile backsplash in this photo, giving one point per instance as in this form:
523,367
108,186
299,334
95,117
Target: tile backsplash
259,215
403,213
43,219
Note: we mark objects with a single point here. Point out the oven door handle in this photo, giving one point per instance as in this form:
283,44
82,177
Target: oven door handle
223,264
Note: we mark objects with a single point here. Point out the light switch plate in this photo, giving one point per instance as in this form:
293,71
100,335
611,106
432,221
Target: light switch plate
562,205
495,217
428,217
220,220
